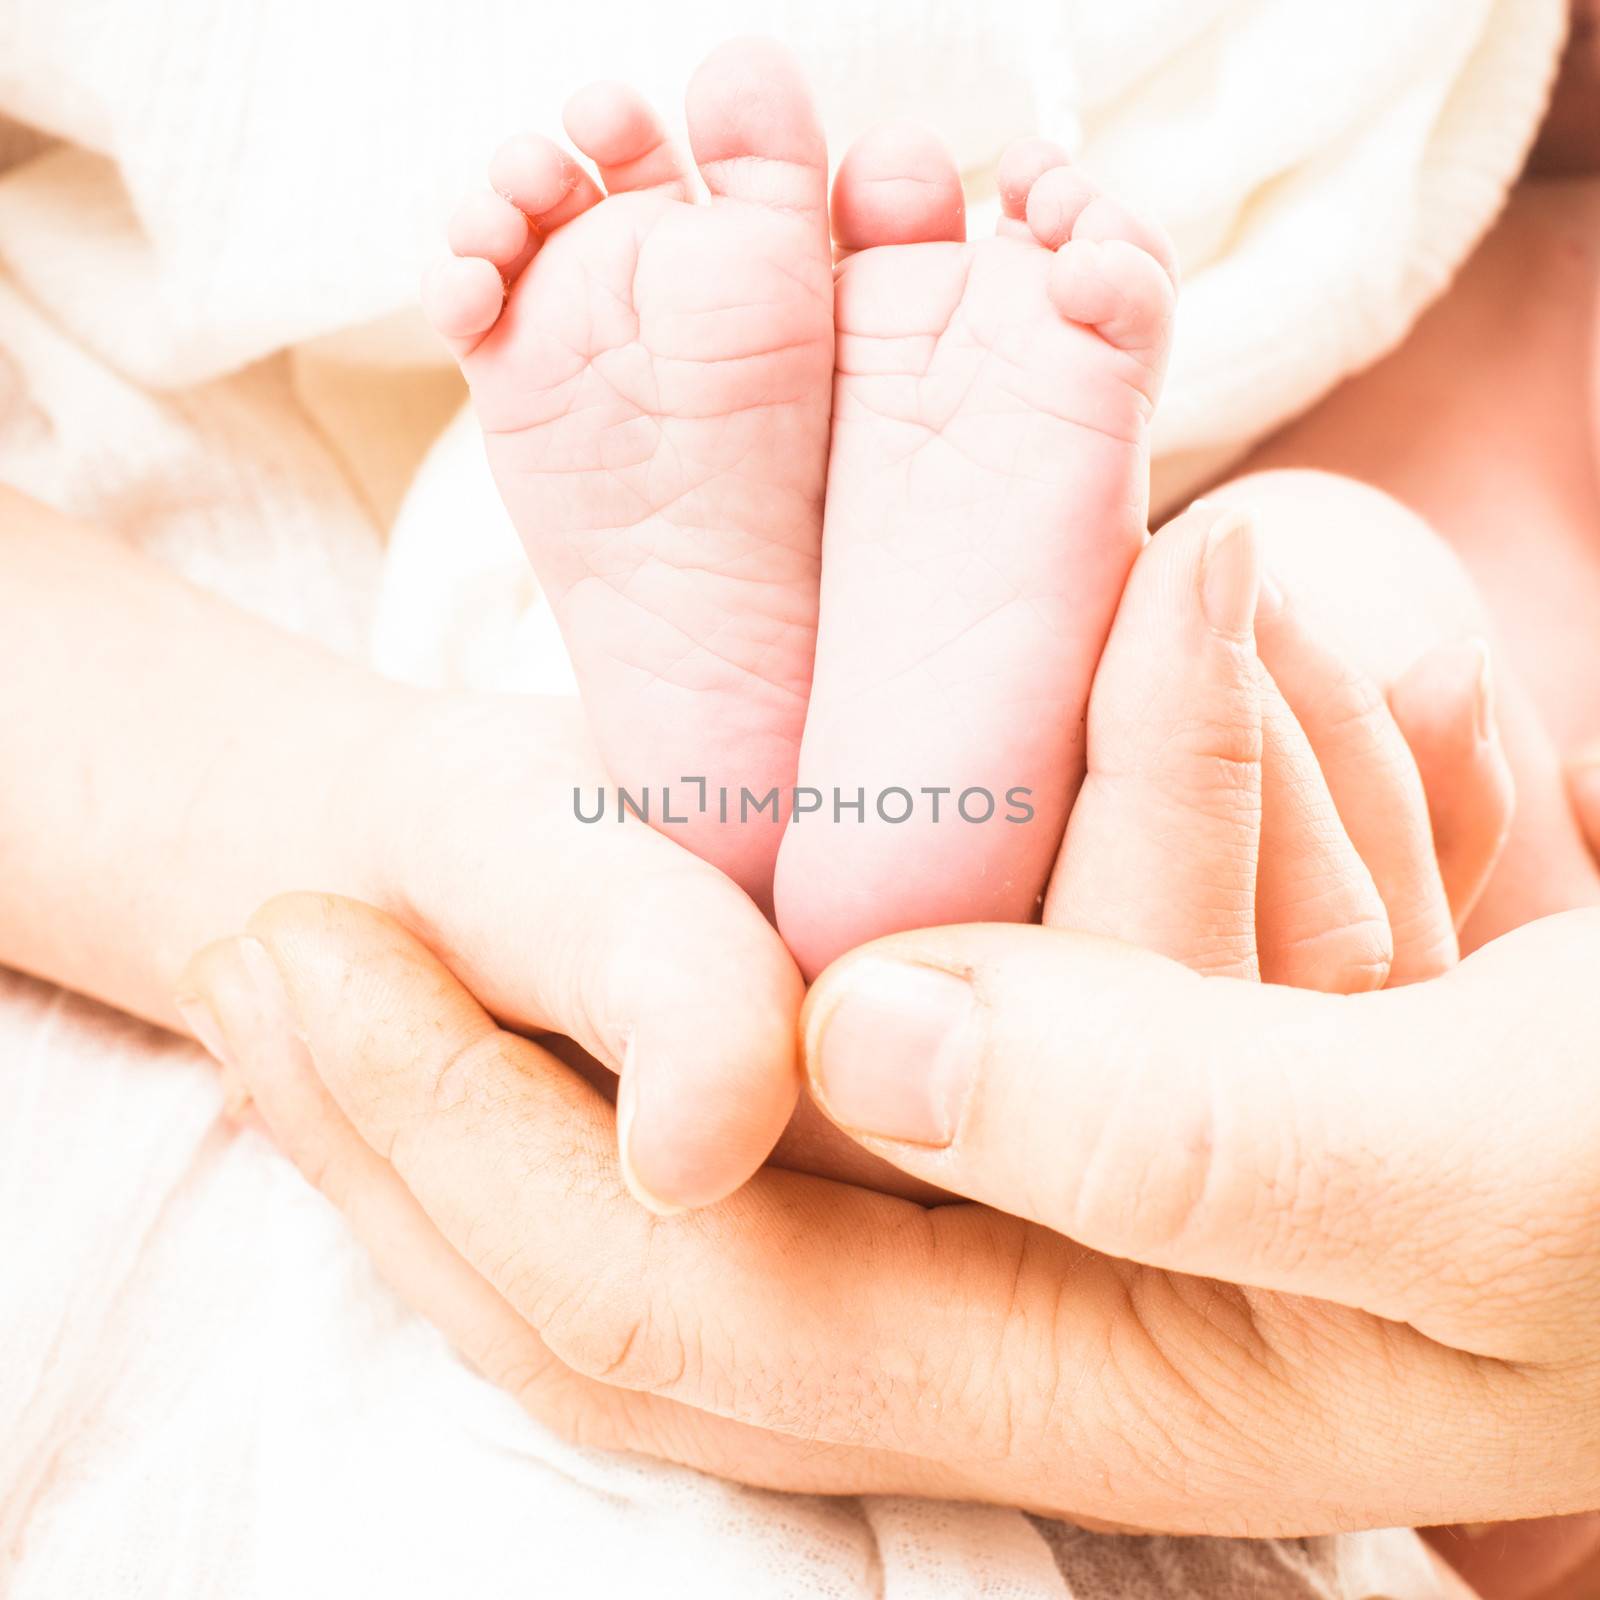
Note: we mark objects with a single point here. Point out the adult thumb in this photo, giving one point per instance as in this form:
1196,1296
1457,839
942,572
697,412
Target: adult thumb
1375,1150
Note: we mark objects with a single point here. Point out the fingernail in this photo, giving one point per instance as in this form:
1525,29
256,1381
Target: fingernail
1483,693
1270,600
627,1105
244,1014
1583,780
236,1099
893,1050
197,1018
1230,575
270,997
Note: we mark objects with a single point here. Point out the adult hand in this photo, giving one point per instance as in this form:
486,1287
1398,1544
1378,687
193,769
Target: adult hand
812,1335
809,1335
605,933
1420,1163
1255,804
171,762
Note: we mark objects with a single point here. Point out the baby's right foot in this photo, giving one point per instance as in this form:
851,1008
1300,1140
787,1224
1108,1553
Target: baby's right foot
653,378
987,495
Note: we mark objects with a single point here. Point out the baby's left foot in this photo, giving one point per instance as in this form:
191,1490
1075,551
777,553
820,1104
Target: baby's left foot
987,491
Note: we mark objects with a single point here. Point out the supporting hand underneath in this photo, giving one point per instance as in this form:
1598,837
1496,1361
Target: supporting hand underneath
1251,1260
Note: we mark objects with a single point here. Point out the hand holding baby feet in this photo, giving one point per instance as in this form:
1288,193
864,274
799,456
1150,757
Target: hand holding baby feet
1207,827
1206,830
653,378
987,486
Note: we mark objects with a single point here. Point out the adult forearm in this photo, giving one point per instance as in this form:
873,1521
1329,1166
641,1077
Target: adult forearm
167,761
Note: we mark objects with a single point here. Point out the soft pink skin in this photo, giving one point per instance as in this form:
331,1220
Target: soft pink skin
654,396
987,492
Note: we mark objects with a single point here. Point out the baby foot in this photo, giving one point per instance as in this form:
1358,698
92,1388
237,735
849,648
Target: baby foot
653,377
987,494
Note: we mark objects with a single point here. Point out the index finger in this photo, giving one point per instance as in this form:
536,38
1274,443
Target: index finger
1162,843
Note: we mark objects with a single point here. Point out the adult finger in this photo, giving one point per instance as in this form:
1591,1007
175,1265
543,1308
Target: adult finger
1161,847
769,1309
1444,708
806,1308
603,930
843,1317
1320,922
1205,830
1259,1135
789,1307
1373,780
271,1063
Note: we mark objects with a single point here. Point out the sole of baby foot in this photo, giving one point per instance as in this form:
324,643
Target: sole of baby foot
987,494
653,375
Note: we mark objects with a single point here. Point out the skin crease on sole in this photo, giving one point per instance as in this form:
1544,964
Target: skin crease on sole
986,498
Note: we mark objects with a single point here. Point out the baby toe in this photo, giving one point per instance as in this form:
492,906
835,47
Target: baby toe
897,184
755,132
461,298
488,226
1102,220
1054,204
1064,204
1122,292
1021,167
542,181
618,129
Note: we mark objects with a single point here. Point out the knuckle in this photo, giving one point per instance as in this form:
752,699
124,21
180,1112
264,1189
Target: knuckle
329,1171
1217,745
1186,1372
465,1074
1179,1428
1311,929
1352,705
1424,931
1210,767
610,1331
443,1078
1133,1194
1198,765
575,1412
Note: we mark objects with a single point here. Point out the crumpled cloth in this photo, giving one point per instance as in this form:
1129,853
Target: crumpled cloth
212,218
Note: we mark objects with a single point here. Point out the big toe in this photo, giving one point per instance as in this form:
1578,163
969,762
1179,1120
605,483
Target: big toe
754,129
897,184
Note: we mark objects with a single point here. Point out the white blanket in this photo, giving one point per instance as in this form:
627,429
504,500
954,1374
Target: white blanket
212,215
